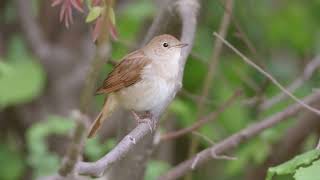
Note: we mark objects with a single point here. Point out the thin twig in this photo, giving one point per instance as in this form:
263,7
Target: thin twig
206,138
310,68
217,49
75,149
194,97
318,146
269,76
238,138
240,33
202,121
215,56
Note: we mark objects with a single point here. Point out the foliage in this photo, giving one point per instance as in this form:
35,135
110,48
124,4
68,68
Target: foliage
155,169
304,166
21,77
15,168
39,158
95,150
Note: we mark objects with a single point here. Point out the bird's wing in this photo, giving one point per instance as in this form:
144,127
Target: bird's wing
126,73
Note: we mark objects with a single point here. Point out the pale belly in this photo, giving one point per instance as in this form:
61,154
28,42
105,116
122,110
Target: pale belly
146,95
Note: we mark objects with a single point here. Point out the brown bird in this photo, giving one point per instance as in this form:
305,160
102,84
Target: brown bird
143,80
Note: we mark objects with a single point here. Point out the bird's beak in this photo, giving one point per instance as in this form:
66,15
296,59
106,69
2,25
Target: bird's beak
180,45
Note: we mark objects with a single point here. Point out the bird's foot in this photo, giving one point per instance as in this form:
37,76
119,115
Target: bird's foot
147,118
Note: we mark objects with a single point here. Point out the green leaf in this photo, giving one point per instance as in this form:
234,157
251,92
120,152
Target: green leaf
40,159
13,164
20,82
95,150
183,110
308,173
155,169
291,166
112,16
94,13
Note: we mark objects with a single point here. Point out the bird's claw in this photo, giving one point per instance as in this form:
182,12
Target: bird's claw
144,120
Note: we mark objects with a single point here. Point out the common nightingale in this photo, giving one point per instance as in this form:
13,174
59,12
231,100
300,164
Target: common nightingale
143,80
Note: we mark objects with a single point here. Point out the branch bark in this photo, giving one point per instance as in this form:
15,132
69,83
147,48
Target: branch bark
35,37
236,139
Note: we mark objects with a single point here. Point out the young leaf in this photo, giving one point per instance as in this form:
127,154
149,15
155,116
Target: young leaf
112,16
20,82
292,165
308,173
94,13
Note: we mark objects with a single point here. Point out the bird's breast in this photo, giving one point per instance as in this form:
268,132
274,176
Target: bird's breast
152,91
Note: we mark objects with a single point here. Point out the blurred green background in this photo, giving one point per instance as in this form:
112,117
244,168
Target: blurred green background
35,99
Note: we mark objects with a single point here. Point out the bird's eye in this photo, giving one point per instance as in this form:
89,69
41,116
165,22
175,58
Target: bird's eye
165,44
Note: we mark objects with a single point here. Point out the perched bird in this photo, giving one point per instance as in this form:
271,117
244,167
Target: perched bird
143,80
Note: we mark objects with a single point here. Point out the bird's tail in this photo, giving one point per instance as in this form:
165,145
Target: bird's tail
108,107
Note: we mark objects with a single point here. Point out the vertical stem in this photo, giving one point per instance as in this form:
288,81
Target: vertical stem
102,52
211,71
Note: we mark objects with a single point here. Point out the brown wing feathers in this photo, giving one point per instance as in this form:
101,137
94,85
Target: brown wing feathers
126,73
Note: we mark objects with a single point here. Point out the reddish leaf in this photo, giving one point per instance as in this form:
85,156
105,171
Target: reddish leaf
97,29
96,2
56,2
69,15
66,9
77,4
112,30
63,11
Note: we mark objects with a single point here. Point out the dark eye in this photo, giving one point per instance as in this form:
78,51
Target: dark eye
165,44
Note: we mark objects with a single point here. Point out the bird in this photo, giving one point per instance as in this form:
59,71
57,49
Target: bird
142,81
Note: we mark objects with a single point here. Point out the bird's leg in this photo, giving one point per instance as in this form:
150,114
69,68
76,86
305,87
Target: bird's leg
145,119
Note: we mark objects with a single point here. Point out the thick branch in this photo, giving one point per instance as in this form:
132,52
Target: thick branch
35,37
236,139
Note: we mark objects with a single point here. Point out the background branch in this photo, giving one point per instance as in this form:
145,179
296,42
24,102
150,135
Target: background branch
269,76
289,145
310,68
236,139
202,121
35,37
217,48
75,148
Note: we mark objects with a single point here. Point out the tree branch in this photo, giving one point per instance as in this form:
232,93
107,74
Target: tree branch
289,145
310,68
218,45
35,37
236,139
74,151
210,117
266,74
